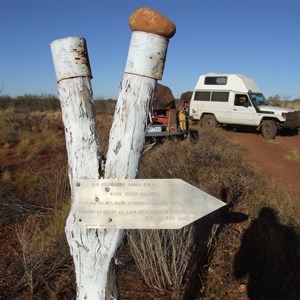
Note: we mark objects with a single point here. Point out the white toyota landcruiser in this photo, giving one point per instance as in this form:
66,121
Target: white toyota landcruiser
235,99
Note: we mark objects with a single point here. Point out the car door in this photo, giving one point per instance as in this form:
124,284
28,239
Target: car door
243,112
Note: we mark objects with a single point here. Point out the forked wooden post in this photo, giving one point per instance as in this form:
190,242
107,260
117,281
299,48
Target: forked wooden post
93,250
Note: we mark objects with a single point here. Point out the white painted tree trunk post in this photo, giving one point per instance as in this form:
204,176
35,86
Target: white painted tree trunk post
145,64
94,249
91,249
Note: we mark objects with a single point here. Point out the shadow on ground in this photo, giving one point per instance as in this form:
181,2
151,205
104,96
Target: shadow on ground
269,259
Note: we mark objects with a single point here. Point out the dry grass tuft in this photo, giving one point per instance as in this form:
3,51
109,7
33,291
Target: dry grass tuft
43,142
6,176
43,253
293,156
159,256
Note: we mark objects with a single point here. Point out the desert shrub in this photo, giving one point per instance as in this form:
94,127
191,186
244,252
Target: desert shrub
33,133
294,104
169,259
212,163
105,107
26,182
216,165
275,100
36,172
104,123
53,121
12,124
34,195
45,102
44,255
26,121
159,256
279,101
31,252
43,249
265,194
8,132
38,205
29,103
43,142
19,194
297,104
5,102
14,209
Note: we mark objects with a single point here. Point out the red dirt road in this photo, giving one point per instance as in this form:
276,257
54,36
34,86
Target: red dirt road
271,157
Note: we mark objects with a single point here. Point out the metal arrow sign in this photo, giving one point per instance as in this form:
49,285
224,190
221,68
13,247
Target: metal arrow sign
140,203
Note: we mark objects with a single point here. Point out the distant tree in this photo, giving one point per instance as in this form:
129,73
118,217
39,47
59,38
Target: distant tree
29,102
286,97
275,100
5,102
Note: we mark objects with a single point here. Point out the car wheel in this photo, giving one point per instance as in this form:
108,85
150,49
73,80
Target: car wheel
269,129
209,121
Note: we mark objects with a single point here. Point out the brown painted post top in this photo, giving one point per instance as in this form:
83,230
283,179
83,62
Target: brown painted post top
149,20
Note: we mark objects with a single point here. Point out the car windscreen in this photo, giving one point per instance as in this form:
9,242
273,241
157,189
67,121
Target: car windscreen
258,99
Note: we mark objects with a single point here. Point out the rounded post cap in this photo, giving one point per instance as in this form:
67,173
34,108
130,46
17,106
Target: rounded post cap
149,20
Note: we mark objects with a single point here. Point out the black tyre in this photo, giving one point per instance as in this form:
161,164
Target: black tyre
269,129
209,121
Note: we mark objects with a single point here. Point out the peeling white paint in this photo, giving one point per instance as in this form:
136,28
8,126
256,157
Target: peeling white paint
127,133
92,249
70,58
146,56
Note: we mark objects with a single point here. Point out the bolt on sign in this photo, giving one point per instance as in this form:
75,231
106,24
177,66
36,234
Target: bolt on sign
140,203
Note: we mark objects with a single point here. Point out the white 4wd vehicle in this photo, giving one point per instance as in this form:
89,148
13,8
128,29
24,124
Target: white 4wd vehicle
223,99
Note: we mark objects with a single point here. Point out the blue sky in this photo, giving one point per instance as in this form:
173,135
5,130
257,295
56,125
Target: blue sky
258,38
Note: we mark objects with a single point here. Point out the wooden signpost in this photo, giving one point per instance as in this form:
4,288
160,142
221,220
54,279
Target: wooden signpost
94,235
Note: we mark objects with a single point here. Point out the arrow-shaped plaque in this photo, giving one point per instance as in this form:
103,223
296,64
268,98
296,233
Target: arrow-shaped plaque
140,203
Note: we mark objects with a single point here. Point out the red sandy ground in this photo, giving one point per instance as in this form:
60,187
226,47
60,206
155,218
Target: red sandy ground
270,156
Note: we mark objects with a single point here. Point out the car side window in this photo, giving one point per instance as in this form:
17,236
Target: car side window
241,100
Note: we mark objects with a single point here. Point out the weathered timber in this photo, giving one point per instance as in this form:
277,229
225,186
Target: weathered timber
91,249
